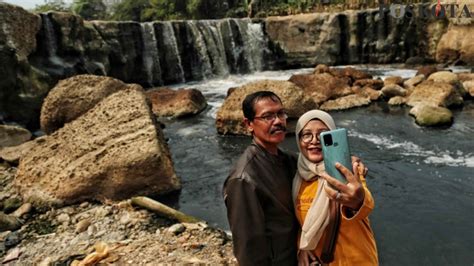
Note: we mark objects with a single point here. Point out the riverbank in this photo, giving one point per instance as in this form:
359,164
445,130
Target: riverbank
131,235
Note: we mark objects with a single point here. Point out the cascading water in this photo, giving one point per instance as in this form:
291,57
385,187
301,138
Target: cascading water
230,47
151,59
201,67
208,48
243,29
173,72
51,41
256,45
215,46
50,36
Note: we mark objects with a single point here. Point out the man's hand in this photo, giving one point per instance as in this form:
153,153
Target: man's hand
351,194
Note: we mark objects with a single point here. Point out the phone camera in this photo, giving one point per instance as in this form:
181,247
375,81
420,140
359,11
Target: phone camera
327,140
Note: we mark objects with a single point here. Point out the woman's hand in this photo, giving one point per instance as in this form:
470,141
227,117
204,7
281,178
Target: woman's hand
351,194
306,258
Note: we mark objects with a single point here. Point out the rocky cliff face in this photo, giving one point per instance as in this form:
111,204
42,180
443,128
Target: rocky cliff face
353,37
39,50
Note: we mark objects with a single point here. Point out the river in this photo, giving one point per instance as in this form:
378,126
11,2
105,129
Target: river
422,179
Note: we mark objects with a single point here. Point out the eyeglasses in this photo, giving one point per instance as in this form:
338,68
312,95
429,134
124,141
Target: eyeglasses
270,117
308,137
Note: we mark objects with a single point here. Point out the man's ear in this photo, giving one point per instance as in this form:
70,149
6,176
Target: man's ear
248,124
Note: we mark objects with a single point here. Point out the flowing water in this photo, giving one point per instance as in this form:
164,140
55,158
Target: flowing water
422,179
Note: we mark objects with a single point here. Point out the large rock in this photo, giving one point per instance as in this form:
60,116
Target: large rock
350,37
126,49
346,102
350,72
393,90
469,86
229,118
306,39
426,71
13,135
375,84
114,151
449,77
393,80
22,87
19,29
457,44
322,87
444,76
412,82
372,94
427,115
435,94
397,100
465,76
72,97
176,103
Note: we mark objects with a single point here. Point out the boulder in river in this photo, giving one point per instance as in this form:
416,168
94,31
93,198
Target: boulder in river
346,102
322,87
435,94
230,118
176,103
427,115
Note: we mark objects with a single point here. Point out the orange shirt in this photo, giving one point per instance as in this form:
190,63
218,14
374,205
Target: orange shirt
355,244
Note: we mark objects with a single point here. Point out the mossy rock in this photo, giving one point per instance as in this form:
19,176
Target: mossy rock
427,115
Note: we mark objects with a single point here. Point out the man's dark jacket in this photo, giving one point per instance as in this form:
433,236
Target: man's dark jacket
260,209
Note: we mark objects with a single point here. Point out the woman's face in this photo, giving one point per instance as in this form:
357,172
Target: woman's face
310,145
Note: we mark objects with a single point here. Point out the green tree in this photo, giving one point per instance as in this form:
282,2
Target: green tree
89,9
163,10
207,9
131,10
52,5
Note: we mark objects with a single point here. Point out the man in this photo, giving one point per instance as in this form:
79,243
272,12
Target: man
257,192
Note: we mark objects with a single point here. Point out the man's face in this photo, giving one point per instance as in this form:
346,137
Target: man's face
265,132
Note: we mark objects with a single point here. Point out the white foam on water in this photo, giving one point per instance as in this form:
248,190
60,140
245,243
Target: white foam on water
408,148
215,90
404,73
450,160
192,130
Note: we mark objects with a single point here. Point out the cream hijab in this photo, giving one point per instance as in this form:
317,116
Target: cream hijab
317,217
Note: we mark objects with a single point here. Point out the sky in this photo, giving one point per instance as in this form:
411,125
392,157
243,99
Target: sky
29,4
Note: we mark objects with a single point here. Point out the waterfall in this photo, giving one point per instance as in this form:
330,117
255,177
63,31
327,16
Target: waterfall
252,46
172,68
256,45
50,36
150,56
201,68
231,50
215,47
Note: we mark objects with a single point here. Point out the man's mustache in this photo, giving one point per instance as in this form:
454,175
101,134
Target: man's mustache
276,128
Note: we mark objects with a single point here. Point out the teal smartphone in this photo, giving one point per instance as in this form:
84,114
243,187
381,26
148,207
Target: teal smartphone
336,149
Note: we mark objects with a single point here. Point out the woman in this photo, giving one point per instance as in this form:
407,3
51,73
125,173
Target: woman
334,221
